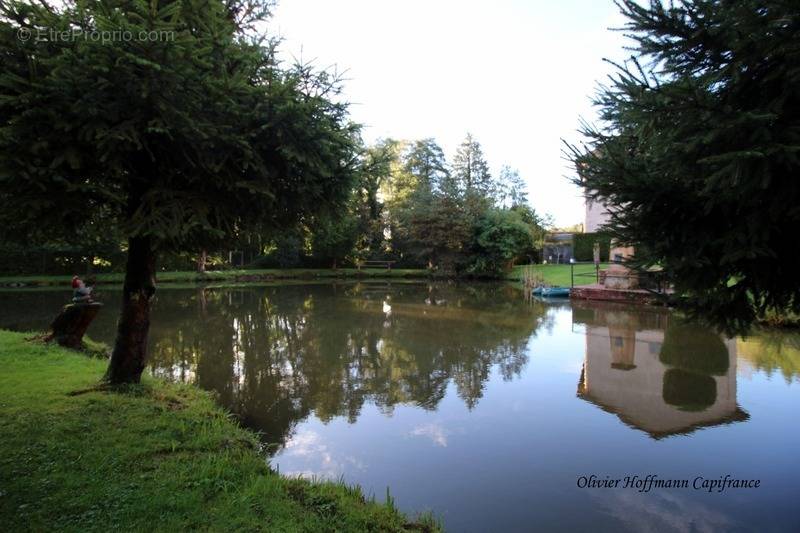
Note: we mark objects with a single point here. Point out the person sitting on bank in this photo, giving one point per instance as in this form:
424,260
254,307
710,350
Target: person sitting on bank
81,293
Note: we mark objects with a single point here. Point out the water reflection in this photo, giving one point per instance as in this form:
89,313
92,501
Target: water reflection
773,352
461,398
275,355
657,374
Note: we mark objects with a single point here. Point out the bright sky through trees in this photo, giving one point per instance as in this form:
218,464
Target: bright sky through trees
516,74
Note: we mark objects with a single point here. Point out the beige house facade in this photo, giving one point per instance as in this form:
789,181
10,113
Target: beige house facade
617,276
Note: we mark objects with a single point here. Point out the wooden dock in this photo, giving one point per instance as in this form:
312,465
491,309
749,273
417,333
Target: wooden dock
595,291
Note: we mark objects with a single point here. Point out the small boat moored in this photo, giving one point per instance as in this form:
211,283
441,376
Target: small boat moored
551,292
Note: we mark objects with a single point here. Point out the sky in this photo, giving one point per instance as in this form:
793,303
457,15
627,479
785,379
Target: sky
518,75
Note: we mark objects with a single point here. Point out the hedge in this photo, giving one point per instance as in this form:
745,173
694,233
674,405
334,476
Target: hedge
583,246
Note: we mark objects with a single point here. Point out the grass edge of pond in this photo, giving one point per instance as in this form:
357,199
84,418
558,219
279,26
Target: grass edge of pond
157,454
233,275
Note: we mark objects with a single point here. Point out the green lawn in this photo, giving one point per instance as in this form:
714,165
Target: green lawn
230,275
553,275
559,275
152,457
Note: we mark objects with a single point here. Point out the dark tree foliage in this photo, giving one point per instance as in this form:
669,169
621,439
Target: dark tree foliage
181,136
699,151
333,238
470,171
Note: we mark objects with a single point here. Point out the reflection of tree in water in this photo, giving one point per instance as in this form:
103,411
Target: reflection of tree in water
773,351
275,354
696,354
689,391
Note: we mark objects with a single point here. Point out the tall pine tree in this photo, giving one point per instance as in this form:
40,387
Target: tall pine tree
470,170
698,152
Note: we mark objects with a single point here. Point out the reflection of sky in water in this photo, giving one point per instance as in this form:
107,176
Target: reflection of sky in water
662,511
435,432
321,462
465,400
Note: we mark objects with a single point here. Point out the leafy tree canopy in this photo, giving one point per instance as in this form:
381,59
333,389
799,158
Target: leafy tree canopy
171,121
184,135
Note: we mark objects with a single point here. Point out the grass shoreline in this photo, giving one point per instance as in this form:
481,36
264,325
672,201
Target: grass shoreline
156,455
552,274
235,275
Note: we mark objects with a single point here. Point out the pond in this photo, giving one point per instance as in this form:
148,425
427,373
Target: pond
491,411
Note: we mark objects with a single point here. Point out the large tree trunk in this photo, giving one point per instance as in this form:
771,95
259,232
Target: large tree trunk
201,261
130,349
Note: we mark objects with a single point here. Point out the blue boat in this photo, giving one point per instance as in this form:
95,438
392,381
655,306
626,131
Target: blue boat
551,292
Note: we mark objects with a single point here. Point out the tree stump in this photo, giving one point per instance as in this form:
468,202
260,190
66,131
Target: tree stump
68,328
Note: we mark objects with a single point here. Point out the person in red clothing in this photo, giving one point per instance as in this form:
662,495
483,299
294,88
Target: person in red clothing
81,293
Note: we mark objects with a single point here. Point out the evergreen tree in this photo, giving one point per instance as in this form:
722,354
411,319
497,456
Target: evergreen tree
697,153
470,171
181,136
425,160
512,190
440,232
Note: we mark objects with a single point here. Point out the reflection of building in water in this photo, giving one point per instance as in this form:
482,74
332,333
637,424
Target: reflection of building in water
657,375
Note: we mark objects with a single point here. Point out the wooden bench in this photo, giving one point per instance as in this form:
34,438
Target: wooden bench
375,264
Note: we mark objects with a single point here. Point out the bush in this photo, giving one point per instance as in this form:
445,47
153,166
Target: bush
583,246
499,237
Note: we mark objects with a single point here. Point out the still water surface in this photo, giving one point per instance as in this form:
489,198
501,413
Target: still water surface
486,409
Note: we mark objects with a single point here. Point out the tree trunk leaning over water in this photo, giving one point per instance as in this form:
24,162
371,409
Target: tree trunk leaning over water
130,348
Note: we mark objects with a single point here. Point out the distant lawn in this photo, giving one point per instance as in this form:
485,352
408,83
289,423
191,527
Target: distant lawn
553,275
157,456
230,275
559,275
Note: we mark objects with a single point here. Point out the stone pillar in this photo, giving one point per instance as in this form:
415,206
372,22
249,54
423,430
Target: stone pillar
618,276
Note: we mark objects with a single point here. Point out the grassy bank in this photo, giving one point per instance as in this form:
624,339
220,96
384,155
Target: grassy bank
559,275
552,275
152,457
227,275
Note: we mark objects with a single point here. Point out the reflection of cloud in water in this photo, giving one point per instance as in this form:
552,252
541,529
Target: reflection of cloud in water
656,512
435,432
304,443
320,463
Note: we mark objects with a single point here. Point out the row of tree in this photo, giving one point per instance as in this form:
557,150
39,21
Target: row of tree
409,204
200,139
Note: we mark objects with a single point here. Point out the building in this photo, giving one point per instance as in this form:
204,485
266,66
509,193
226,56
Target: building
617,276
596,215
557,247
